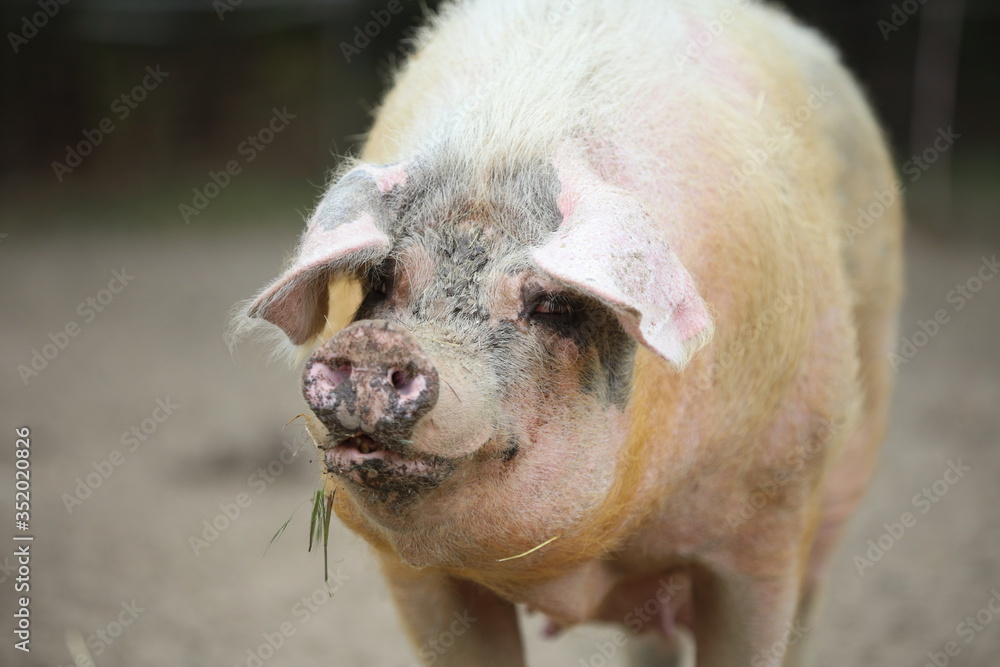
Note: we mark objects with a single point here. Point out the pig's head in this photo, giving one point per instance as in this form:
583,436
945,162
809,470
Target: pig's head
479,401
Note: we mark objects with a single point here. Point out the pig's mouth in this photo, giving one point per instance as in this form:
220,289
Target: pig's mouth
387,469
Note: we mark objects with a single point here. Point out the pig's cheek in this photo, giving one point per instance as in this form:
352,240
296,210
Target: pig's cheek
566,351
559,378
564,378
574,447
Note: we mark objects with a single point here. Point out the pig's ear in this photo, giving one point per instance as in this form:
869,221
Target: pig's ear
609,247
349,230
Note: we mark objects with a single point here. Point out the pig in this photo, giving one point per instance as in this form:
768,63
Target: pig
588,326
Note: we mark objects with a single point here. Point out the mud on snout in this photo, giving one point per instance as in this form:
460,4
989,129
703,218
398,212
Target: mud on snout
389,428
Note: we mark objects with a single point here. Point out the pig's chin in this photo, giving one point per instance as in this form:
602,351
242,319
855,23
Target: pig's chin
390,474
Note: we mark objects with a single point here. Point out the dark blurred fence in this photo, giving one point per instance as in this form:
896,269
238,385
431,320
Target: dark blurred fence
70,65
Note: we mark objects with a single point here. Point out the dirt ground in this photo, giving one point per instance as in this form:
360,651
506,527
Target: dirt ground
118,567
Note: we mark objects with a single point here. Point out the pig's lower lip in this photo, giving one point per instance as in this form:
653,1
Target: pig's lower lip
369,464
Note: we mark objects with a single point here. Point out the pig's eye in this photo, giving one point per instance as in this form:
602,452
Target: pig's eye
380,289
379,284
554,308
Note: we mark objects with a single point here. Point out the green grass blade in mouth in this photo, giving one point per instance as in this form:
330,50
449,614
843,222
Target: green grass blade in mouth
280,530
319,527
314,525
327,513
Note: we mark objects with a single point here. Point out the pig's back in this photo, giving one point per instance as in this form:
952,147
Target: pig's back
518,76
869,209
687,106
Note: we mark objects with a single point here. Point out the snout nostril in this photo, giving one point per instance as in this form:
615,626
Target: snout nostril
399,379
342,373
407,385
332,376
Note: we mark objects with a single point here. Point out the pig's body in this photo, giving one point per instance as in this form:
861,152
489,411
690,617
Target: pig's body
699,468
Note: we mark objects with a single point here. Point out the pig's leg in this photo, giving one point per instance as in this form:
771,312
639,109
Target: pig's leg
749,619
845,486
454,623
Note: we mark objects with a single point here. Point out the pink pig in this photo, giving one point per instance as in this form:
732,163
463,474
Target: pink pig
584,330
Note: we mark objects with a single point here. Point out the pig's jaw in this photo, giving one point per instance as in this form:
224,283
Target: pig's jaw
388,474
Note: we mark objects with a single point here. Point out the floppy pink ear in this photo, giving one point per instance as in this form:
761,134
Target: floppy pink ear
348,230
608,246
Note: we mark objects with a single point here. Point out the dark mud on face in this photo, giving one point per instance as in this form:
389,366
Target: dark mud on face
381,474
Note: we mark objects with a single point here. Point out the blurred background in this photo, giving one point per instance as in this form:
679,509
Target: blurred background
160,468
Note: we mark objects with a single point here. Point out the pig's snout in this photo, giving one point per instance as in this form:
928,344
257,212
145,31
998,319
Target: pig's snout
370,378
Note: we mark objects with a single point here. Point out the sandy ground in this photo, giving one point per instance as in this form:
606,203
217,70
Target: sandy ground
124,553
